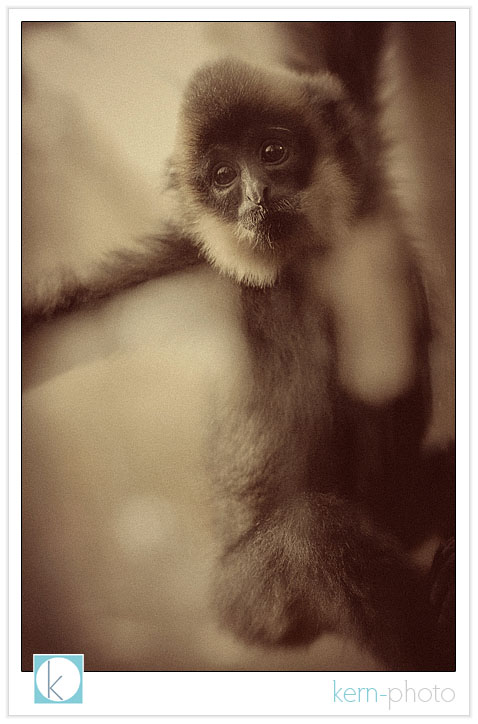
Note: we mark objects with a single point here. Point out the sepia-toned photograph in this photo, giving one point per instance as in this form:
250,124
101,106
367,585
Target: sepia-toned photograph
238,345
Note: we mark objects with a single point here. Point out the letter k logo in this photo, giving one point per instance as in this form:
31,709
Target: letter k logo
50,686
58,678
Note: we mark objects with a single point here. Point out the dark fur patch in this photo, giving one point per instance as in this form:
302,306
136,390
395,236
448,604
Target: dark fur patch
228,96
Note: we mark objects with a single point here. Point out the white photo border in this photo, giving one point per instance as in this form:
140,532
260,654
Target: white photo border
242,693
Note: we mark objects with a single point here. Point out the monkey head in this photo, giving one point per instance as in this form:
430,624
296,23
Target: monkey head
267,164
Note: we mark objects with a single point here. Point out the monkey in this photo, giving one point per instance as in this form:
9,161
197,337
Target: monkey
273,191
276,189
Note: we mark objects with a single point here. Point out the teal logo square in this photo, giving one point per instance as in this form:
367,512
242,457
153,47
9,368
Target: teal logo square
58,678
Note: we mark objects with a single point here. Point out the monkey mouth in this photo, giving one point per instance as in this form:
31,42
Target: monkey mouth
269,226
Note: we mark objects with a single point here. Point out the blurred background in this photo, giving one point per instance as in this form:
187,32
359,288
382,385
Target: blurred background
117,535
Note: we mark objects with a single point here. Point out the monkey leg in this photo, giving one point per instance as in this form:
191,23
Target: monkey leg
313,565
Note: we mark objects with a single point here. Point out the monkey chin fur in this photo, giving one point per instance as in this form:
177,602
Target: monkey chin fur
231,252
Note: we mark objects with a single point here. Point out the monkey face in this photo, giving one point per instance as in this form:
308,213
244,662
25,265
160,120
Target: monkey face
254,182
260,167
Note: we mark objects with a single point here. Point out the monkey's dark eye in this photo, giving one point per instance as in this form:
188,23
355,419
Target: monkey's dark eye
224,175
273,152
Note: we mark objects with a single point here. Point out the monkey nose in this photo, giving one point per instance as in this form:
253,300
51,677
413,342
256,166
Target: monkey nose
257,195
